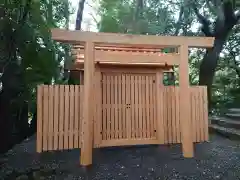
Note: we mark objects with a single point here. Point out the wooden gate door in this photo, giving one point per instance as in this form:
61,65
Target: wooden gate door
128,109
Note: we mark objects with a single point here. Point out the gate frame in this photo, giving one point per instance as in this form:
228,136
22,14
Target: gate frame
90,40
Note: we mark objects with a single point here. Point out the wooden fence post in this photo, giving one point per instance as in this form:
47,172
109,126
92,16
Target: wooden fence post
88,105
185,114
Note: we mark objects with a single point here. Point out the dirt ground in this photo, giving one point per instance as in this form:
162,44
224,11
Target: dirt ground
218,159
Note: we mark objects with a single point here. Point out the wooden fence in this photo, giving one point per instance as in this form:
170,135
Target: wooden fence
60,117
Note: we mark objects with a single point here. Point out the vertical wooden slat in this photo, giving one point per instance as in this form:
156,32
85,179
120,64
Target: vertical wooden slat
40,118
88,108
98,117
80,114
128,113
197,113
61,116
160,118
193,109
174,113
201,113
169,111
151,105
132,109
120,118
108,95
136,102
187,143
50,118
66,117
205,111
104,100
178,129
45,117
124,106
116,87
143,96
76,115
154,107
140,116
71,116
165,115
148,96
112,133
56,117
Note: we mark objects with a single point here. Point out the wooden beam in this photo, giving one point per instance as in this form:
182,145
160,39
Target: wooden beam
185,114
119,57
76,37
88,107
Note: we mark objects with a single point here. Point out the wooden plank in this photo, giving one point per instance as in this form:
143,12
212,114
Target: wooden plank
66,117
104,100
187,143
120,118
178,129
116,106
77,118
88,108
148,97
165,115
61,116
124,106
71,116
132,109
108,95
40,118
128,110
98,118
112,108
80,129
140,114
201,113
124,142
205,106
143,87
56,117
154,106
45,117
173,99
50,118
123,57
144,40
136,102
159,88
197,113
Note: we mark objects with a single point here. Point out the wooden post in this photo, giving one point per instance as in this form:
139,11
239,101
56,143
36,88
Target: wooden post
159,100
88,106
185,114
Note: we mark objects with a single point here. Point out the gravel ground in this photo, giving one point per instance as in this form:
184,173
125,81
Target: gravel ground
218,159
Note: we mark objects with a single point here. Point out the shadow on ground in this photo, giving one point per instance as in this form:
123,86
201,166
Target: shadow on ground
218,159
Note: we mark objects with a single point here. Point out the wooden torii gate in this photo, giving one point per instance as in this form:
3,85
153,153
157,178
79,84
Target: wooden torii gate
90,39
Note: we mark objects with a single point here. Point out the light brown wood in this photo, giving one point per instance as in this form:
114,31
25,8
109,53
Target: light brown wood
39,118
205,113
184,92
66,117
178,128
50,119
80,123
71,117
77,118
124,142
160,107
143,40
45,118
87,124
61,116
137,58
56,116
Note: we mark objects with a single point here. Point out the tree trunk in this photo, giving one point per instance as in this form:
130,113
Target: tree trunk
208,66
80,14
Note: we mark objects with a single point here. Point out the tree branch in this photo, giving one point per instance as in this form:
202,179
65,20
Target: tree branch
204,21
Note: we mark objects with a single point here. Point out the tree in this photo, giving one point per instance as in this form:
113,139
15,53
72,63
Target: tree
226,15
